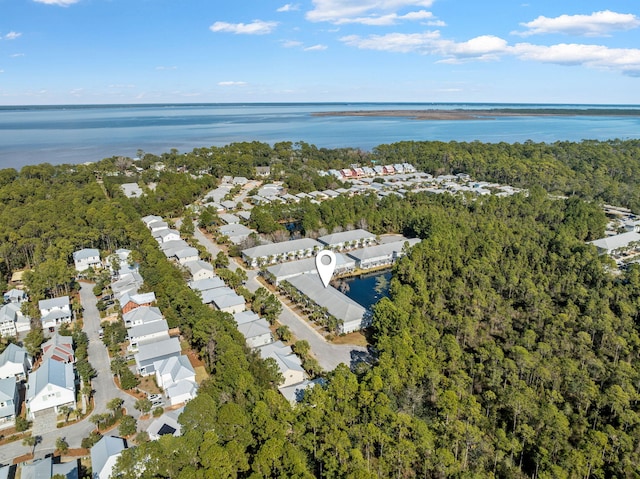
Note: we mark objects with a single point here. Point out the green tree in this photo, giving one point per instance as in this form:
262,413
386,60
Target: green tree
128,426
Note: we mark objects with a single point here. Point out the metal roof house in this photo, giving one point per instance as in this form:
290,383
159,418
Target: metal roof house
199,269
230,303
348,239
617,243
59,348
129,302
55,311
352,315
380,255
12,321
147,333
167,424
46,468
150,353
87,258
104,455
142,315
9,402
279,252
52,385
131,190
283,271
256,333
288,363
14,362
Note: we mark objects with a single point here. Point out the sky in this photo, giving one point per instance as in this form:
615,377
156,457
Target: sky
200,51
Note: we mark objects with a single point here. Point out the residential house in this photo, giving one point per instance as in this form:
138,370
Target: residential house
240,180
185,255
620,243
229,219
52,385
288,363
16,296
348,239
170,247
87,258
177,378
199,269
381,255
9,402
120,263
131,190
128,283
104,455
12,321
256,333
59,348
147,333
55,311
14,362
167,424
207,284
280,252
166,235
150,219
150,353
46,468
235,232
229,303
156,226
142,315
283,271
129,302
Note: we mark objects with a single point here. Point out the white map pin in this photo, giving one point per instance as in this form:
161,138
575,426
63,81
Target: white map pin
326,265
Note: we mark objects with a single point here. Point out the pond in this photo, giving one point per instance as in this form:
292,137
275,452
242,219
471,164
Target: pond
366,289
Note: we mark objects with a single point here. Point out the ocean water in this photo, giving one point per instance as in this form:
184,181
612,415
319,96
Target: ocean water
78,134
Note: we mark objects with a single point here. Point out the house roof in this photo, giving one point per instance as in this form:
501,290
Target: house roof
86,253
245,317
207,283
232,230
198,265
7,389
228,300
104,449
307,265
281,248
166,232
14,293
150,219
146,329
166,424
177,367
140,298
344,236
229,218
150,352
254,329
59,347
181,388
173,245
50,372
60,302
13,354
146,314
277,346
381,250
208,295
9,313
338,304
55,315
127,282
185,252
618,241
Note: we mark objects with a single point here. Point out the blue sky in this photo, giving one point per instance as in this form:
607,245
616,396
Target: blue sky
153,51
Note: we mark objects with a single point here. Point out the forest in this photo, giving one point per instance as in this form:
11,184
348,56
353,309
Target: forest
507,348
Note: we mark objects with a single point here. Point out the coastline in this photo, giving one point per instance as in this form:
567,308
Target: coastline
487,114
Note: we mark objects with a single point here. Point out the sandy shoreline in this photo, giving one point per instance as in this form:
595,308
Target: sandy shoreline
479,114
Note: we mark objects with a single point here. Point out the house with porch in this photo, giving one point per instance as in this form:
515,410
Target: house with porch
55,311
51,386
87,258
15,362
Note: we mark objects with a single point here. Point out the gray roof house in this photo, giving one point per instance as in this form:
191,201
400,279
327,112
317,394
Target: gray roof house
206,284
279,252
381,255
104,455
12,321
348,239
245,317
87,258
52,385
166,235
185,255
149,353
199,269
128,283
208,295
9,402
167,424
14,362
289,364
45,469
256,333
343,308
15,296
131,190
229,303
150,219
622,242
142,315
147,333
235,232
55,311
283,271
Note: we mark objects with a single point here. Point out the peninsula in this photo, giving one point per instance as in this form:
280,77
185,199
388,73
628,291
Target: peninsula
486,114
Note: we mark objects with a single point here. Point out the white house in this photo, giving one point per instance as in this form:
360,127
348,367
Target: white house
87,258
229,303
14,362
9,402
256,333
186,255
131,190
206,284
55,311
129,302
167,424
618,243
45,469
288,363
147,333
157,225
150,353
52,385
178,379
59,348
128,283
278,252
166,235
150,219
199,270
381,255
16,296
142,315
122,259
348,239
104,455
12,321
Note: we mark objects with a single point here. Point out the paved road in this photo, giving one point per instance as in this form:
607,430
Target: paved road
328,355
103,385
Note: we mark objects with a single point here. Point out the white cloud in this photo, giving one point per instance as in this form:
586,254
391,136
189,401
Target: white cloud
341,11
291,44
12,35
257,27
60,3
289,7
315,48
625,60
388,19
232,83
16,55
594,25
